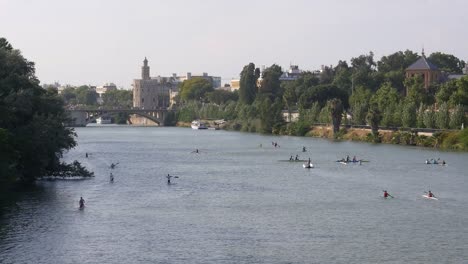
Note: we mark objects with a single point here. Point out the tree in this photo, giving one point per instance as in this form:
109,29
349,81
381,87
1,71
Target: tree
336,114
385,96
363,68
221,96
373,119
429,119
447,62
118,98
457,117
248,83
195,89
442,116
416,91
420,116
85,95
271,85
408,118
392,68
321,94
31,121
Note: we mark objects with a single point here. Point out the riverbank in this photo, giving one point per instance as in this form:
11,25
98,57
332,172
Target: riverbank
446,140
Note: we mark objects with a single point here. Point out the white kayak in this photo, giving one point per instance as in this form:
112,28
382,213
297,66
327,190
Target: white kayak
308,166
427,197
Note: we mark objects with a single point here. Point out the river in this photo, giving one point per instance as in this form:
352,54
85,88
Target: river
236,202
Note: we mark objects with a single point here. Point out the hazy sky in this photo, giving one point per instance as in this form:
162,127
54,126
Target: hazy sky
94,41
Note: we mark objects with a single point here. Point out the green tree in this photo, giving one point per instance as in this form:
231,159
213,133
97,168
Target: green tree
221,96
416,91
118,98
195,89
386,95
392,68
270,85
248,84
420,116
336,114
429,118
457,117
31,121
408,118
446,90
442,116
373,119
85,95
447,62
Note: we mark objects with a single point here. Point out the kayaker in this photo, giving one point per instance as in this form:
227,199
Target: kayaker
291,158
82,201
196,151
309,161
443,162
304,149
168,178
86,154
297,157
347,158
354,159
386,194
430,194
111,177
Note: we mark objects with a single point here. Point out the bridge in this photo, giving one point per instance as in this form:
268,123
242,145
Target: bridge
83,116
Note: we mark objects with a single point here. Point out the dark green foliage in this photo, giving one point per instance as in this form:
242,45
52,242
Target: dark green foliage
442,116
32,132
195,89
447,62
373,119
118,98
270,85
335,108
221,96
70,170
248,83
321,94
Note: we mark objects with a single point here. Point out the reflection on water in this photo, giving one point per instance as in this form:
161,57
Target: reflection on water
236,202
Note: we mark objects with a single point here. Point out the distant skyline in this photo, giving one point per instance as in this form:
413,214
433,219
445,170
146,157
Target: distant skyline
94,42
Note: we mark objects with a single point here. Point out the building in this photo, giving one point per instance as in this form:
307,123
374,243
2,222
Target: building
235,85
214,80
153,92
424,68
292,74
100,90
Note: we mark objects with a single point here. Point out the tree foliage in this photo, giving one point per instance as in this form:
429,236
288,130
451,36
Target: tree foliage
248,84
195,89
32,132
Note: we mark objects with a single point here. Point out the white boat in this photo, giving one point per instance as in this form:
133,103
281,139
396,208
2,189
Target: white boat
196,124
103,120
427,197
308,166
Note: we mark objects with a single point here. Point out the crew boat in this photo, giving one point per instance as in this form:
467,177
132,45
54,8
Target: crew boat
197,124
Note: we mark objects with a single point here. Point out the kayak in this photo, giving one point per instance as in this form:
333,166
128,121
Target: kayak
427,197
344,162
292,160
308,166
357,161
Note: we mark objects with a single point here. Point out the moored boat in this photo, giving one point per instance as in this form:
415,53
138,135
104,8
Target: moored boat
197,124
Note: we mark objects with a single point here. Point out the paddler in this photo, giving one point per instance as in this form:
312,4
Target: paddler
82,201
168,179
386,194
430,194
297,157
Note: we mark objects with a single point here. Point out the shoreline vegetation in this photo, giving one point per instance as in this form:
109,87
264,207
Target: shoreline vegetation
455,140
33,136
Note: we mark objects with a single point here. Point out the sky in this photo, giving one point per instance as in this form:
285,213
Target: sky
97,41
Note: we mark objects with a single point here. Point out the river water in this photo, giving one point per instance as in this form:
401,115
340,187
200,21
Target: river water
236,202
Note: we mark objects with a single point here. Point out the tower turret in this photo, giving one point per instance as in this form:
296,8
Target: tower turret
145,70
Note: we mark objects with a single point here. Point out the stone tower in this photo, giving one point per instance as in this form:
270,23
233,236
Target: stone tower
145,70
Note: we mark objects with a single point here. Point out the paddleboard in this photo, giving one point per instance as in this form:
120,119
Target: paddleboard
427,197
